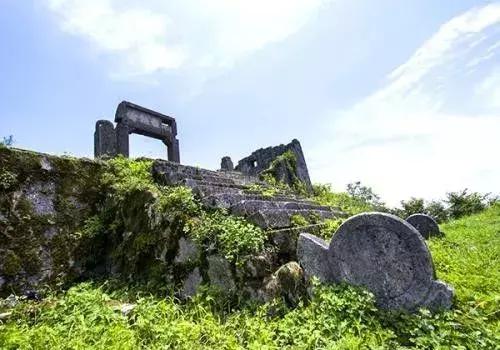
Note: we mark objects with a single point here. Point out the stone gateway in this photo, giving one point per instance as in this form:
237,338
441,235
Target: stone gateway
133,119
382,253
424,224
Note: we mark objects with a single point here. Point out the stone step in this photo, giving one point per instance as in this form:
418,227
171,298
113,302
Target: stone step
228,199
203,191
190,182
168,173
285,240
241,178
247,207
281,218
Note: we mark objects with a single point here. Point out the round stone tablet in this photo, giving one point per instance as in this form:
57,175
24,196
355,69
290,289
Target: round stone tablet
387,256
424,224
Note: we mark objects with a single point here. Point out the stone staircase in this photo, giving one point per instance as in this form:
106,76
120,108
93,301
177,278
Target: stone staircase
239,195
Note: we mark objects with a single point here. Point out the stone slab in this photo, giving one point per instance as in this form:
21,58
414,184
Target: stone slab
382,253
424,224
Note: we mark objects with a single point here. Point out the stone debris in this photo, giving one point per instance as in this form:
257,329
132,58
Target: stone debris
382,253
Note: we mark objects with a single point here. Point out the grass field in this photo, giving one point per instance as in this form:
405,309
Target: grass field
338,317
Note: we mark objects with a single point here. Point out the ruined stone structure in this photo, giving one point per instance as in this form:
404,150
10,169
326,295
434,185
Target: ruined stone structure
134,119
262,159
382,253
226,164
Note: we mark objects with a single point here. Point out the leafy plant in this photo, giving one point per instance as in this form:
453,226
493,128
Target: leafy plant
233,236
463,203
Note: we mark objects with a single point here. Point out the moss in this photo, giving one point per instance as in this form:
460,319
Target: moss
77,195
11,264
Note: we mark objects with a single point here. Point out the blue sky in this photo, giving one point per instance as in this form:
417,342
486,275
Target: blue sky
402,95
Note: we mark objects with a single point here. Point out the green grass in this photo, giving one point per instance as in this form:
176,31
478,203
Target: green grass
337,317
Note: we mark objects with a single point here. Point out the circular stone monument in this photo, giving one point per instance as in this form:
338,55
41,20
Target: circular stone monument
387,256
424,224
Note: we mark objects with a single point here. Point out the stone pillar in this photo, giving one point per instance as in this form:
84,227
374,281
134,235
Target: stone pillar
104,139
226,164
173,152
122,142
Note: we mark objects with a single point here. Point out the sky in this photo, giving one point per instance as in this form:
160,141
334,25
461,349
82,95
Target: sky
403,96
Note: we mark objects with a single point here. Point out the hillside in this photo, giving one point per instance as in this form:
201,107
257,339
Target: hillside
108,315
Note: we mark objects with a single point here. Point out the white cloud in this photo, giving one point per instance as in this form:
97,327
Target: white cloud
427,131
153,34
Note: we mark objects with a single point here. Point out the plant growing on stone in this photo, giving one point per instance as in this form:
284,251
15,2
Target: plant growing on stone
234,237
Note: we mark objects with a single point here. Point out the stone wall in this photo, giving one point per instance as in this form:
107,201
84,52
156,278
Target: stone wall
44,200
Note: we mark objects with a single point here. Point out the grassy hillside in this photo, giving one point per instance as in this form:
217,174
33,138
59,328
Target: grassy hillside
340,317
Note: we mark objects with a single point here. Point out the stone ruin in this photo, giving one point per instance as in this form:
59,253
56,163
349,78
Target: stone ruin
380,252
262,159
133,119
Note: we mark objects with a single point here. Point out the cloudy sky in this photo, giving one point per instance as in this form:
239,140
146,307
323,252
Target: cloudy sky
401,95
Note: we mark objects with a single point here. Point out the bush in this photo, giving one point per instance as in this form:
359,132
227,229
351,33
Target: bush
234,237
463,203
357,199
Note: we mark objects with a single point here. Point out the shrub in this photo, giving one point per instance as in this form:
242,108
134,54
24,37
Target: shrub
463,203
437,210
234,237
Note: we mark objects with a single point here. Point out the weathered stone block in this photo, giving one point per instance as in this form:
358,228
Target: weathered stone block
191,284
220,274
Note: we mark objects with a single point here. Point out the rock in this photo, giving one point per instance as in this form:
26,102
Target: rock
219,273
45,164
424,224
226,164
256,266
188,252
10,302
126,308
312,252
5,316
41,196
287,282
191,284
382,253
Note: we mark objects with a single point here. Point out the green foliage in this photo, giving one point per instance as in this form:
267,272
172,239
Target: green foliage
298,220
437,210
92,227
324,195
126,175
274,174
456,205
365,194
463,203
412,206
329,228
233,236
7,180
